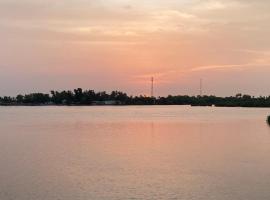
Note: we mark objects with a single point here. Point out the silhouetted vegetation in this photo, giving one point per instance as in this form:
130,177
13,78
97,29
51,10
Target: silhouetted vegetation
90,97
268,120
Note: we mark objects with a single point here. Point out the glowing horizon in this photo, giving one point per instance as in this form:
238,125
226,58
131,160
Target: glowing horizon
119,44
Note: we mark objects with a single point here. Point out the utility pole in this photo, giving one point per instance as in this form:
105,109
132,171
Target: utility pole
152,87
201,87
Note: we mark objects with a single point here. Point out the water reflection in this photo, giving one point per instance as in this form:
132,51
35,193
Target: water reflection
64,154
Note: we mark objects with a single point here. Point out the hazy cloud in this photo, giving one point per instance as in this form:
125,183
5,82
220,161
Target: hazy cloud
134,38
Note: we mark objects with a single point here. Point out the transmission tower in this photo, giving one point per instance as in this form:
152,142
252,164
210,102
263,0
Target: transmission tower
201,87
152,86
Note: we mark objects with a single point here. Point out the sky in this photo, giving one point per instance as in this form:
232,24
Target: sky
119,44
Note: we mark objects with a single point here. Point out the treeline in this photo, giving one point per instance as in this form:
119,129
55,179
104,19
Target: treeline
90,97
76,97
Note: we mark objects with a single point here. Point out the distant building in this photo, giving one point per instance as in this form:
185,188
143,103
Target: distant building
108,103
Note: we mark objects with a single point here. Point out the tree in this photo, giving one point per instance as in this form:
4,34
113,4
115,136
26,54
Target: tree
78,94
19,98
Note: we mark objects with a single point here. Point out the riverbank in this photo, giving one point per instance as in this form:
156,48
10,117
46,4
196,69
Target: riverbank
121,105
79,97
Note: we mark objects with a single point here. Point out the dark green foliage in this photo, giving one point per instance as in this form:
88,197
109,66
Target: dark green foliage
36,98
89,97
7,100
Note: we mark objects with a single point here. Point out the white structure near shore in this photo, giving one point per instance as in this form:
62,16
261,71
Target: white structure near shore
110,102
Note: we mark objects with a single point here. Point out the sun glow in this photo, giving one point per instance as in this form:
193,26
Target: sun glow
120,44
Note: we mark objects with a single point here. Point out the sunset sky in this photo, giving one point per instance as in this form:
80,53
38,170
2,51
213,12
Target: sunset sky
120,44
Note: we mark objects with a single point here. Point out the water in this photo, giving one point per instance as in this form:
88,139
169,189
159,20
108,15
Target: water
165,152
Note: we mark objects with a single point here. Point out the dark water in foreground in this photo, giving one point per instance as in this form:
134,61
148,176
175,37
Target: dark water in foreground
115,153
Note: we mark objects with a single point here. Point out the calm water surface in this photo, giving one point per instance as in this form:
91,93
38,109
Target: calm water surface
119,153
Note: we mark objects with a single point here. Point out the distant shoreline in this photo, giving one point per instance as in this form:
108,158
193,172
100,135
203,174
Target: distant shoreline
80,97
124,105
